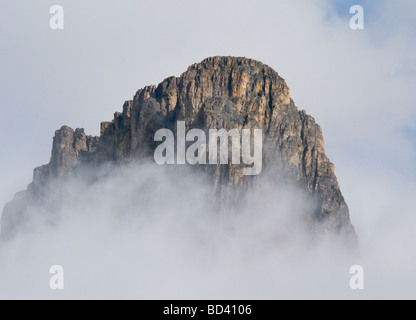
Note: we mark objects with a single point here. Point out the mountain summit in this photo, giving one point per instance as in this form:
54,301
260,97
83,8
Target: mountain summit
219,92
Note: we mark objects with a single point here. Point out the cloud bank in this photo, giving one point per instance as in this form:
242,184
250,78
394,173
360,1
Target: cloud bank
147,231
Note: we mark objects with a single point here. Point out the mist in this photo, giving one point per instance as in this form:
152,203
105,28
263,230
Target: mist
154,232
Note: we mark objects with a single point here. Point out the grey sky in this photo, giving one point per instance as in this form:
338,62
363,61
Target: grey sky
359,85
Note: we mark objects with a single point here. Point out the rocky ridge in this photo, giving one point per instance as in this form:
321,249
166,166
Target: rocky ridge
219,92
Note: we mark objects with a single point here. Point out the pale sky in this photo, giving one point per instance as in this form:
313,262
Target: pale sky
358,84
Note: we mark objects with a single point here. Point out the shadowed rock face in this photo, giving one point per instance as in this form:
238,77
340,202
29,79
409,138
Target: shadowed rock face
219,92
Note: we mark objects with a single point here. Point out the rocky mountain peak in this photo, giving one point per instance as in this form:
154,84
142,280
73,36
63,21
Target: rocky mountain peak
219,92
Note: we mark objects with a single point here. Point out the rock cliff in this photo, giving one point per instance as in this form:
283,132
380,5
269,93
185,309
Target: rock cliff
219,92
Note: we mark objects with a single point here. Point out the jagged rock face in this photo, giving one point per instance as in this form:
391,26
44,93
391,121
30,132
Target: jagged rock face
70,148
219,92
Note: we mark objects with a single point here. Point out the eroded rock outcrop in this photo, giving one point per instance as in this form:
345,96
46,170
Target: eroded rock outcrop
219,92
